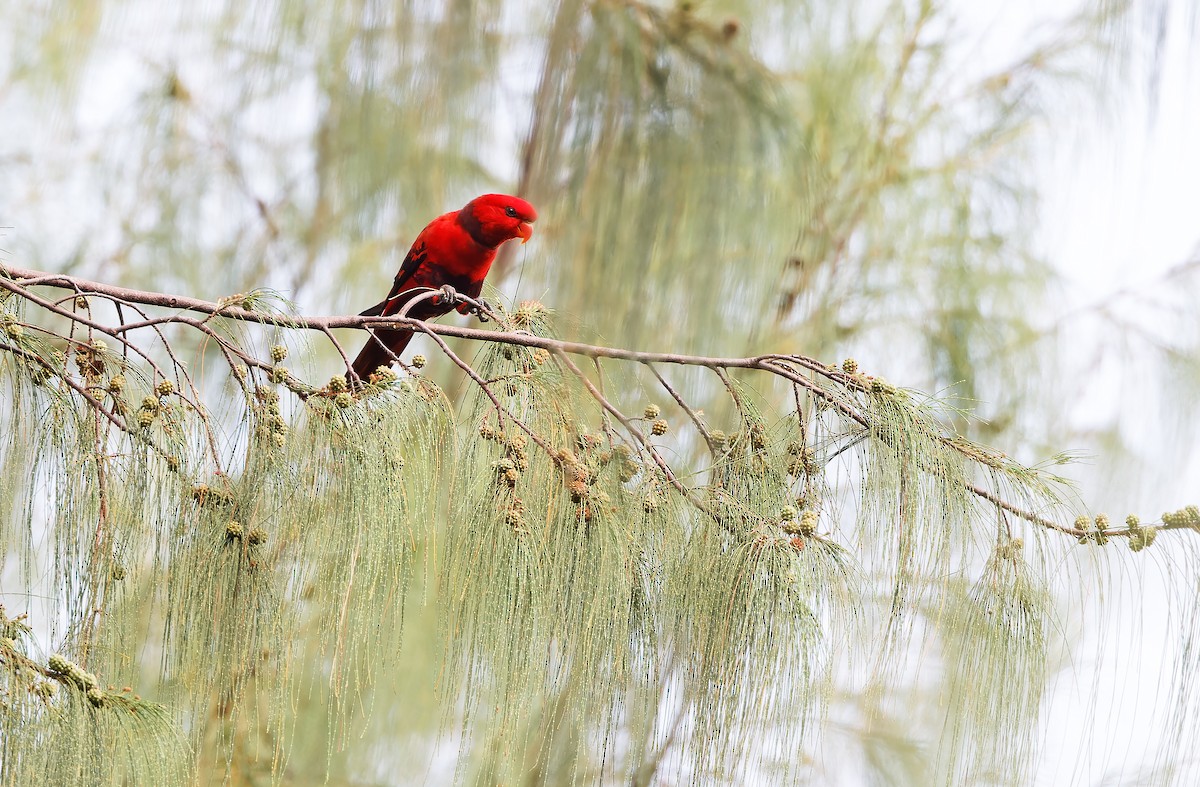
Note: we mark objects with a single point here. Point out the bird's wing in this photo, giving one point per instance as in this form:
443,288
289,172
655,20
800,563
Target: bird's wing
417,256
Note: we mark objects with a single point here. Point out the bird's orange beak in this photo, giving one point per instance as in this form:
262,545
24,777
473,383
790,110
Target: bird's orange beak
524,231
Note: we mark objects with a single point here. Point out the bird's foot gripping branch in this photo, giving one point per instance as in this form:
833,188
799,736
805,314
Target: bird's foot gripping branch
575,499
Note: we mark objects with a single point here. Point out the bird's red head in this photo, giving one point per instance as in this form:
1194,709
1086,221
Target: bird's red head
495,218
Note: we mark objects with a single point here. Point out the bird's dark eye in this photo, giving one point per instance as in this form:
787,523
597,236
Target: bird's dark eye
510,211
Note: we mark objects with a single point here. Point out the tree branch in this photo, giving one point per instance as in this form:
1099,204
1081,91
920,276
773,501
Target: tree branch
797,369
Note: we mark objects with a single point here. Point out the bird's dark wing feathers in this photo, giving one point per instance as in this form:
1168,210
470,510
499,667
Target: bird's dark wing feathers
417,256
374,311
415,259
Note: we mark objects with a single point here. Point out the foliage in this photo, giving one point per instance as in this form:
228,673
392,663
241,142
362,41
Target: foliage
558,559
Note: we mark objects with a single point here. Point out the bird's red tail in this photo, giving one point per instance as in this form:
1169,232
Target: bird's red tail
374,355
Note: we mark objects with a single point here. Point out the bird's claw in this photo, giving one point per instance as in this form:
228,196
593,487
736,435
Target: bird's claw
447,295
481,310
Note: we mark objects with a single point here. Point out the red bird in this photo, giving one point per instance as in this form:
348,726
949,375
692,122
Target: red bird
456,249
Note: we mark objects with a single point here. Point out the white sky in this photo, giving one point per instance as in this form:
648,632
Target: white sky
1121,197
1121,206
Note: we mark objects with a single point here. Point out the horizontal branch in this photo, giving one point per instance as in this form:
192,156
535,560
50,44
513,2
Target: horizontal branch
788,367
27,278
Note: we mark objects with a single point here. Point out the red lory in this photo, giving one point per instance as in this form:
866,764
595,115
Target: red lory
456,249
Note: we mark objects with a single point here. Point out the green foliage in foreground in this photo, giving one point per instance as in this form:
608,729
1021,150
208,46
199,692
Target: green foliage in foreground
586,609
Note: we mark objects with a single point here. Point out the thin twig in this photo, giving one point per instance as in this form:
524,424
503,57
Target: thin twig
637,434
692,414
501,410
74,386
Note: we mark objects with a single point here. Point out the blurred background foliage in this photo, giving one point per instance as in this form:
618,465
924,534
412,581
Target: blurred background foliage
723,178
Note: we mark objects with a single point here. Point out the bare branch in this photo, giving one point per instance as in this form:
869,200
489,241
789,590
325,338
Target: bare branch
692,414
501,410
637,434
